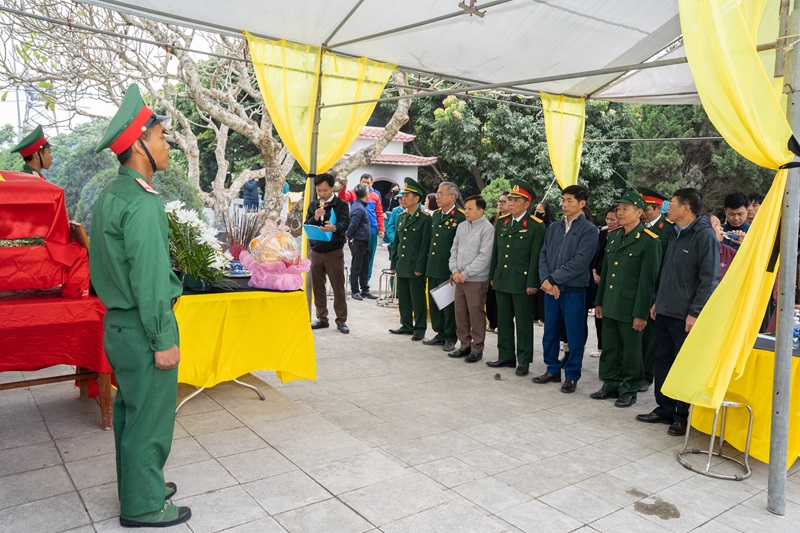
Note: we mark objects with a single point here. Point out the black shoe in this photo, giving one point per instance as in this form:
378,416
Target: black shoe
343,328
625,401
547,377
461,352
603,394
436,341
569,386
644,388
522,369
398,331
677,429
171,515
171,489
563,359
652,418
417,337
449,346
357,296
319,324
498,363
473,357
369,296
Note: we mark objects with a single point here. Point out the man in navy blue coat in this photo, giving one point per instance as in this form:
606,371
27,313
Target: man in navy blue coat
358,234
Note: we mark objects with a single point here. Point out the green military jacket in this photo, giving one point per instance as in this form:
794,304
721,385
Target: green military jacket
412,239
443,232
515,259
27,169
664,229
129,256
629,273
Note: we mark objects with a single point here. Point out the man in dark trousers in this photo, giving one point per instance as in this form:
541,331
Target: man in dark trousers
514,274
444,222
358,237
132,274
624,296
689,274
409,260
564,263
332,215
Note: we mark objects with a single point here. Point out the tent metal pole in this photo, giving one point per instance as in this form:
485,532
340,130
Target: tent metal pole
343,22
312,165
782,378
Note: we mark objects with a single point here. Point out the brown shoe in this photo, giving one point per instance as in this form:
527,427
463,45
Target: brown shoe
568,386
547,377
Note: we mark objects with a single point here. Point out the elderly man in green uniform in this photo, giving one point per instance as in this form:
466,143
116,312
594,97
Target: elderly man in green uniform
657,222
409,261
514,275
624,296
444,222
132,274
35,151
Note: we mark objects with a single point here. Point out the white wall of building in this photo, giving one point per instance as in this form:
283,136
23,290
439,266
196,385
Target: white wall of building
394,173
394,147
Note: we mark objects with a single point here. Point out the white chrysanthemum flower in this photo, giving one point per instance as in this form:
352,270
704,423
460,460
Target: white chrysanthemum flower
183,216
172,207
208,237
227,255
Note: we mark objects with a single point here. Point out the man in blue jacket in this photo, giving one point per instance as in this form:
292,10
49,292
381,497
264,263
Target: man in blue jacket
564,262
358,236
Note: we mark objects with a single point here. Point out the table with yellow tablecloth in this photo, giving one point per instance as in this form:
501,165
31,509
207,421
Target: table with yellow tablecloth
226,335
756,386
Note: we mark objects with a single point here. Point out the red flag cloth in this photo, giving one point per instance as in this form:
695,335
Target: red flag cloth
30,207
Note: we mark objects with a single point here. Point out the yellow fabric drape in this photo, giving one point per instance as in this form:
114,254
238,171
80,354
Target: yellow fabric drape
739,98
288,77
564,122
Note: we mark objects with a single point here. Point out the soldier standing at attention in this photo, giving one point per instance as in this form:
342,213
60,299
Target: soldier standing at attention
132,274
624,295
35,151
514,275
409,260
443,231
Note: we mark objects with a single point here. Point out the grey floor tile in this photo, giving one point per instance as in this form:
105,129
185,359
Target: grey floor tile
624,521
294,428
395,499
759,502
286,492
447,518
492,494
450,471
209,422
34,485
265,525
579,504
354,418
326,448
613,489
198,478
222,509
677,518
24,458
112,526
101,501
689,495
257,464
202,403
713,526
534,517
331,516
231,442
185,452
381,434
85,446
622,446
93,471
532,481
31,431
71,425
489,460
416,451
57,513
571,469
356,472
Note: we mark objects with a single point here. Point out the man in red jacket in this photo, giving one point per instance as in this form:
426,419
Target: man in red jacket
375,212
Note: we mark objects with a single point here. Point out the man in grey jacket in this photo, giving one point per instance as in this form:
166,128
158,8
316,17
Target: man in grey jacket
564,262
689,274
470,260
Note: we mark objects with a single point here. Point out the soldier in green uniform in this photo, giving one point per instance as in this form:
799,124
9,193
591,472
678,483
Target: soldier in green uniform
409,261
514,275
657,222
131,272
35,151
443,231
624,296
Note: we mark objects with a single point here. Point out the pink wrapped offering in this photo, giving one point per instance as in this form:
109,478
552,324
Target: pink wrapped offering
274,260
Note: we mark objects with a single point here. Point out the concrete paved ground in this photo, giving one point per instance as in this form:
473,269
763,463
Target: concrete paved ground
394,437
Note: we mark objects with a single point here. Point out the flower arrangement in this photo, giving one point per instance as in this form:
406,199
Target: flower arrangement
193,246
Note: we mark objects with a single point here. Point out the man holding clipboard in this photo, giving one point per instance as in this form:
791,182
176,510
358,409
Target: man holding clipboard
328,215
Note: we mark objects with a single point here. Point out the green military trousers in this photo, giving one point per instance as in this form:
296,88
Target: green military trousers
514,309
621,367
443,321
413,313
649,351
144,413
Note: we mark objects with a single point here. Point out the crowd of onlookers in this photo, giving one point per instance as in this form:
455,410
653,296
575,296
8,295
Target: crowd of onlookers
645,275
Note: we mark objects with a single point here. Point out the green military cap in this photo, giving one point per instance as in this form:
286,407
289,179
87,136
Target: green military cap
521,189
31,143
410,185
131,120
633,198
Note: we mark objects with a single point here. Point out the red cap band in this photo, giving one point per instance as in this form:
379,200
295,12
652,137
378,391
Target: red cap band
32,149
652,200
132,132
516,191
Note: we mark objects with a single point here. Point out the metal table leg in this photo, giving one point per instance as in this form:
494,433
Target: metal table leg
247,385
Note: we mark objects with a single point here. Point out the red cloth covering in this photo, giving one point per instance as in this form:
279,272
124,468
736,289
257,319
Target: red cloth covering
31,207
41,329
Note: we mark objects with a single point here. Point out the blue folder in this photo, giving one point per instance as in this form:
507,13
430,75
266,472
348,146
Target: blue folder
313,233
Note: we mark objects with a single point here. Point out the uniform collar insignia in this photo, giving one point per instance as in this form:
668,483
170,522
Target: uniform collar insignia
146,186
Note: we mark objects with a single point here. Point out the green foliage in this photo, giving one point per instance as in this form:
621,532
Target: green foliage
492,192
8,138
89,194
173,184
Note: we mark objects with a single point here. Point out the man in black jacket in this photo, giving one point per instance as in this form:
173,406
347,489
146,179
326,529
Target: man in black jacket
689,274
332,214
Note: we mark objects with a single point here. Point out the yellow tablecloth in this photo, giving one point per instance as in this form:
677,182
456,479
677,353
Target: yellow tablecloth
756,385
227,335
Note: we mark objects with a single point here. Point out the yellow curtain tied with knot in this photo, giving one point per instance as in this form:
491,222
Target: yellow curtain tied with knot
564,122
740,99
